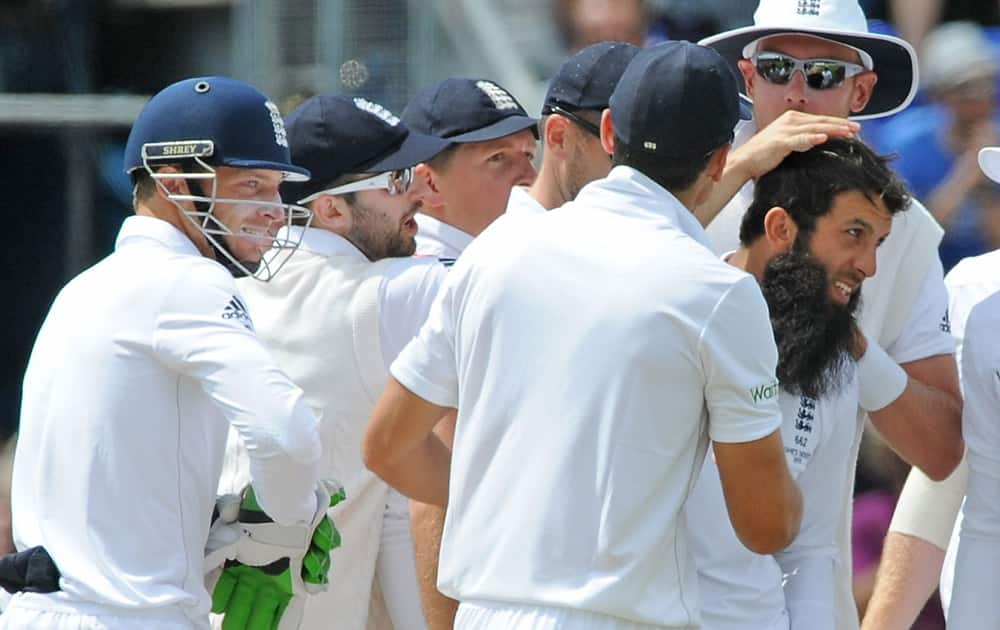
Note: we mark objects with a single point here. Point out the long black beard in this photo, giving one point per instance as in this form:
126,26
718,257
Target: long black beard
814,334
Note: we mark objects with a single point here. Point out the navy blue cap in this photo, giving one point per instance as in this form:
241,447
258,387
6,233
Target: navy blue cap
677,99
587,79
222,121
341,135
467,110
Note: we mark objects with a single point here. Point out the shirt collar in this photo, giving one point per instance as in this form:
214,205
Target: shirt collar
439,238
521,202
647,197
143,227
323,242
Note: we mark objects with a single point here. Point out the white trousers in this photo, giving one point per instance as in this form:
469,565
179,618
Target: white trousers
499,616
32,611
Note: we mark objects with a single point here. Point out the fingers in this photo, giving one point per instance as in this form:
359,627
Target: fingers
806,141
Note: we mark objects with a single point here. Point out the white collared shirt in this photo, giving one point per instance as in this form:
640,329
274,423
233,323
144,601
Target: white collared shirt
405,293
141,366
436,238
741,589
590,356
521,203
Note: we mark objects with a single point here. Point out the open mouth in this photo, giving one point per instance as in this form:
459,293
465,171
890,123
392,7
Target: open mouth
257,233
843,289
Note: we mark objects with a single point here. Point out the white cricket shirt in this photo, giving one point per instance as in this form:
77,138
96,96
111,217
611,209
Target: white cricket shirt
969,283
139,365
591,351
436,238
974,602
521,203
741,589
334,320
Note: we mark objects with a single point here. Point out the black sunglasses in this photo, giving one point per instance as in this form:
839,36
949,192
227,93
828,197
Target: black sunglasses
820,74
583,123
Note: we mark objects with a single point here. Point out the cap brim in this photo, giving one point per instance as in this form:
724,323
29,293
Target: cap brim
746,108
894,59
413,150
291,172
499,129
989,161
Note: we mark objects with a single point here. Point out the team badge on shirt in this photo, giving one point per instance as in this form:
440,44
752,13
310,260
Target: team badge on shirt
237,310
801,441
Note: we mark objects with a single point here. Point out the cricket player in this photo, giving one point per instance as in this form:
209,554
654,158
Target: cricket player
466,187
351,291
570,127
590,358
810,238
807,66
924,525
493,143
143,363
573,157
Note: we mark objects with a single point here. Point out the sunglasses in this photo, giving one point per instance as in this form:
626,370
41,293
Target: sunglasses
395,182
820,74
581,122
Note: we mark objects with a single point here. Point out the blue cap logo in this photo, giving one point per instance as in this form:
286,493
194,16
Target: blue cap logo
377,110
280,136
500,97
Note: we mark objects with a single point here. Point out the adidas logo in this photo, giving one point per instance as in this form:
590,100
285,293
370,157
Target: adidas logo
238,311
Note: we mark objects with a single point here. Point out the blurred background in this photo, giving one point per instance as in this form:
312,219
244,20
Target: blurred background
73,75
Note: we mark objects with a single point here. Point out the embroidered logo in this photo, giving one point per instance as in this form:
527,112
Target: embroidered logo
501,99
278,123
807,7
237,310
945,322
800,451
377,110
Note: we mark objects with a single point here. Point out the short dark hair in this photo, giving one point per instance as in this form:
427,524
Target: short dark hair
674,174
806,183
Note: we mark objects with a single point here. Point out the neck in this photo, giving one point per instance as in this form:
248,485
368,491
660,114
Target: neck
545,190
752,259
166,211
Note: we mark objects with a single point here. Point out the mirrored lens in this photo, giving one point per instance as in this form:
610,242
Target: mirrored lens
823,75
820,74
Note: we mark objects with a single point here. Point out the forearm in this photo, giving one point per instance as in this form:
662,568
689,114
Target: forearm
427,523
921,422
734,177
907,576
422,475
924,426
927,509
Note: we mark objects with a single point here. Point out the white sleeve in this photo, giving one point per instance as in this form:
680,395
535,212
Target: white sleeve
428,365
739,358
927,331
974,602
198,337
404,301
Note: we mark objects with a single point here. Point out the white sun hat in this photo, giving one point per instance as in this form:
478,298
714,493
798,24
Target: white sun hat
840,21
989,161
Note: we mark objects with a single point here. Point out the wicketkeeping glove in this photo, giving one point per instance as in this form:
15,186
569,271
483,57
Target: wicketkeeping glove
276,566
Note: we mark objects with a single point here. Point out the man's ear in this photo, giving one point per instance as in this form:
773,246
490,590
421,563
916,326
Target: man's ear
780,230
749,73
607,132
861,93
431,196
331,213
173,185
555,133
717,163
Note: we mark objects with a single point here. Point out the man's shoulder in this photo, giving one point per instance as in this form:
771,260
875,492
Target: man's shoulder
982,269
